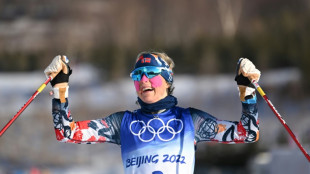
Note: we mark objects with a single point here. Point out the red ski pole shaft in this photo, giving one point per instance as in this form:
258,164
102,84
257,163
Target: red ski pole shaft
25,106
274,110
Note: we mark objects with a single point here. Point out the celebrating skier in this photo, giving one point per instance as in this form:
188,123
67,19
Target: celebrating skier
160,137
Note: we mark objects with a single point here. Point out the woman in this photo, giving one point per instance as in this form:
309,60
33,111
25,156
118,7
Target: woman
160,137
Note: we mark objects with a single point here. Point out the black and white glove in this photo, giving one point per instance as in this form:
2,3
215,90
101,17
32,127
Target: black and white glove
245,73
60,71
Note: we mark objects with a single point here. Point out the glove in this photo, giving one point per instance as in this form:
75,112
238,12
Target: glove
246,72
60,71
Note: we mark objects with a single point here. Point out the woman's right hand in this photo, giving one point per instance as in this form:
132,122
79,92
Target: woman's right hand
60,71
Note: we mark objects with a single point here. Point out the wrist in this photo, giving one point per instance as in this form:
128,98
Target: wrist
61,93
250,99
246,92
61,85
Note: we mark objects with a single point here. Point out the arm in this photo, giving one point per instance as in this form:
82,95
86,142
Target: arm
209,128
67,130
89,131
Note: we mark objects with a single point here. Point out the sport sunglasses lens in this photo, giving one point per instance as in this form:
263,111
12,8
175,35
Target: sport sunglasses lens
149,71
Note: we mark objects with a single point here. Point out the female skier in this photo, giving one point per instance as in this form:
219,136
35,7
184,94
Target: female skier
160,137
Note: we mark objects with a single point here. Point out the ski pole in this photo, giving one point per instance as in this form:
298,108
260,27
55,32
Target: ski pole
262,93
25,105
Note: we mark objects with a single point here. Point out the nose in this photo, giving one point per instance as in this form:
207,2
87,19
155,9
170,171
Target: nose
144,78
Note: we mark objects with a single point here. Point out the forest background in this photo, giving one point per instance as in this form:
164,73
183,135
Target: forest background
109,34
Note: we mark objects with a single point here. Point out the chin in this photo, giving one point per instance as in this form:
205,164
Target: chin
148,100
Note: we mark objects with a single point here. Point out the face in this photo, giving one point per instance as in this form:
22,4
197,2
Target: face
151,90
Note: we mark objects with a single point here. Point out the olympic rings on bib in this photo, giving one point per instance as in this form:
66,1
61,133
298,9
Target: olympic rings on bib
159,132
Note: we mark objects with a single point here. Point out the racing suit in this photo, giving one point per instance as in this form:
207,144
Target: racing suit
161,143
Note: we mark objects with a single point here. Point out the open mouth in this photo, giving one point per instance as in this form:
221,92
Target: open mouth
147,90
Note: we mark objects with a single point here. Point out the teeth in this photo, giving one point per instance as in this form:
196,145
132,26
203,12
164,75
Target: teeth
144,89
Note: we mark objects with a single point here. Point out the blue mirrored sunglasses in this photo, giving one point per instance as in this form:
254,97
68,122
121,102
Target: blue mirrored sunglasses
149,71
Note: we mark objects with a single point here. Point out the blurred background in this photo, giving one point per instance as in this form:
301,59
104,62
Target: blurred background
204,37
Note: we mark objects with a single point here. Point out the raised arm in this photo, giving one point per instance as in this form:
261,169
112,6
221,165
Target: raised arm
88,131
209,128
67,130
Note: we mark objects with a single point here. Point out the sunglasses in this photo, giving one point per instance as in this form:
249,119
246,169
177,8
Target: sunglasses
148,71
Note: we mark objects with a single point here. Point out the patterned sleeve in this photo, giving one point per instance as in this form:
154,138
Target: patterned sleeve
84,132
209,128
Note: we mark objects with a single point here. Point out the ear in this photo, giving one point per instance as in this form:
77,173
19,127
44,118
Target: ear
168,85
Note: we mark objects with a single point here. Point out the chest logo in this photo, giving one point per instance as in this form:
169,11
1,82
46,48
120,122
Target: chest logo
147,132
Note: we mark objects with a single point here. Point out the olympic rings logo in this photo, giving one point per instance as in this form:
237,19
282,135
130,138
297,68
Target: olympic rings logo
150,129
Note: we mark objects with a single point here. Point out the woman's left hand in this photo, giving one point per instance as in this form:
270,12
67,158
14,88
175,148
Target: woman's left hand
245,74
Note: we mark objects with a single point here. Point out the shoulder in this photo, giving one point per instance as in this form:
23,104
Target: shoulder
196,113
118,114
129,114
189,109
115,117
179,110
